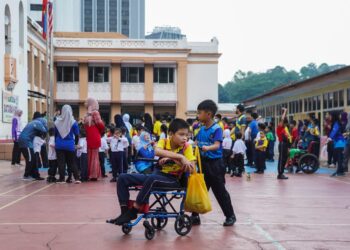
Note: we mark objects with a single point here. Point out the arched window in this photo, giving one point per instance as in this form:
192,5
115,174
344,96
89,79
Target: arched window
7,30
21,25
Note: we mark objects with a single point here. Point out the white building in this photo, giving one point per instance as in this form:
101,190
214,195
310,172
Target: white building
13,55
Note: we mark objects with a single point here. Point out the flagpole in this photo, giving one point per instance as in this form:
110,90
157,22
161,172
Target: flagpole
47,62
51,111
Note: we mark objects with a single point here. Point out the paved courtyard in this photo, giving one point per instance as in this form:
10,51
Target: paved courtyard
304,212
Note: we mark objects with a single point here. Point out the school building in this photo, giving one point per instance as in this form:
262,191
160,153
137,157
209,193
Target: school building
134,75
317,95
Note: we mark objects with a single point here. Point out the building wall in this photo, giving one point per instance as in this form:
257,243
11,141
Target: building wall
67,15
19,53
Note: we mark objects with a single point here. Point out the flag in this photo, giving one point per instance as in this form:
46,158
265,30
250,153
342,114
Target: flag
44,18
50,19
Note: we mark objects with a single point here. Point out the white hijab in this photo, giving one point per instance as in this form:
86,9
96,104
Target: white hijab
17,116
65,121
126,118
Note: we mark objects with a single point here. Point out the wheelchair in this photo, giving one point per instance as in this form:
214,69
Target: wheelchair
157,214
307,160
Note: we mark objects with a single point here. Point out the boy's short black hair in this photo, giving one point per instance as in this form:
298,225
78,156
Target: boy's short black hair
123,130
178,124
238,135
262,126
209,106
255,115
240,107
218,116
51,131
158,117
139,127
117,130
169,119
164,128
293,122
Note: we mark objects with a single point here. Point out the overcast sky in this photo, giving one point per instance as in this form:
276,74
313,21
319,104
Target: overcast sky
260,34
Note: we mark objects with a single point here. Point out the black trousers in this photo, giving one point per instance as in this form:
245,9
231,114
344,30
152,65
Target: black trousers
249,153
330,150
238,163
31,168
260,160
339,153
67,157
117,163
102,157
83,165
16,154
44,159
282,157
52,168
214,176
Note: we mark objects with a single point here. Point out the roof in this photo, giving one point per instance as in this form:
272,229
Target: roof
226,106
113,35
294,84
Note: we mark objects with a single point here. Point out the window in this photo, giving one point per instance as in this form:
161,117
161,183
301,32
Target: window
100,16
325,101
318,102
330,100
36,7
113,16
133,74
348,97
67,73
125,17
341,98
336,99
163,75
98,74
305,105
88,15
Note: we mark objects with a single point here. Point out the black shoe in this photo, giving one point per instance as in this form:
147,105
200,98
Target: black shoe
230,221
113,180
69,180
238,175
337,174
233,174
126,217
104,176
39,178
196,220
282,177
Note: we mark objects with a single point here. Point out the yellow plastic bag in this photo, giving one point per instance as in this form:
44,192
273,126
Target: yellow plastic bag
197,196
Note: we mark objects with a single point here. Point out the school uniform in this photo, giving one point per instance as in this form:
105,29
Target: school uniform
52,159
82,154
117,152
102,154
238,150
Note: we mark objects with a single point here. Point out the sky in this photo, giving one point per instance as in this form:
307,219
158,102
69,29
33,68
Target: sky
256,35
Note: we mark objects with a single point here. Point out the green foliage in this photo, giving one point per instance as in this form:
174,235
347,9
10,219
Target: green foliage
245,85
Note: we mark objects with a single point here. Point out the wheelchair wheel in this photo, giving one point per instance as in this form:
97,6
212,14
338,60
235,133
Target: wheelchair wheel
308,163
159,223
149,230
183,225
126,229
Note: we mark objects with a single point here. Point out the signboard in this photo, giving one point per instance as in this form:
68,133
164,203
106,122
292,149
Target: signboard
9,106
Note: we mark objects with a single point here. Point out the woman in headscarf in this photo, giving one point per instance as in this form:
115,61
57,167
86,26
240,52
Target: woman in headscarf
347,146
16,131
66,139
144,150
148,124
94,127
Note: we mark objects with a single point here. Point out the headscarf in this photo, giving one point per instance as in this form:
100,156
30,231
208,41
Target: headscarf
227,133
65,121
17,116
92,105
126,118
36,115
143,142
119,123
344,120
148,122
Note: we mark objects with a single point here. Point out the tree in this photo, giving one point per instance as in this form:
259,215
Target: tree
223,96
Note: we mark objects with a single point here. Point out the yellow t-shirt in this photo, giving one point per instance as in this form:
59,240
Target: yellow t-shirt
186,150
233,134
156,128
261,142
221,124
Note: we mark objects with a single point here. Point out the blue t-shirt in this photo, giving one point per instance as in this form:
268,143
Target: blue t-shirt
67,143
207,137
254,129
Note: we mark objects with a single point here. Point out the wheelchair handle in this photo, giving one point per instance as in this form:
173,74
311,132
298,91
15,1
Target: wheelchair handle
145,159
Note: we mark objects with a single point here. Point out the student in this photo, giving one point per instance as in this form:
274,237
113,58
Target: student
209,140
167,175
227,145
271,144
218,120
238,151
145,150
82,154
52,157
294,133
103,150
117,143
126,149
260,147
164,131
156,127
285,140
136,139
241,122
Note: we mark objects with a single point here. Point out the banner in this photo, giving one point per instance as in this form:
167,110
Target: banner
9,105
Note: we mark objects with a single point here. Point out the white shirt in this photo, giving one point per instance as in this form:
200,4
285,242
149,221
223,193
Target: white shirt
118,144
82,146
51,155
135,141
104,145
162,136
257,138
125,145
37,143
239,147
247,134
227,143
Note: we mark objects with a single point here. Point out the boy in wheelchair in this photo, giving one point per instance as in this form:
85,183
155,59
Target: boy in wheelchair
176,158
